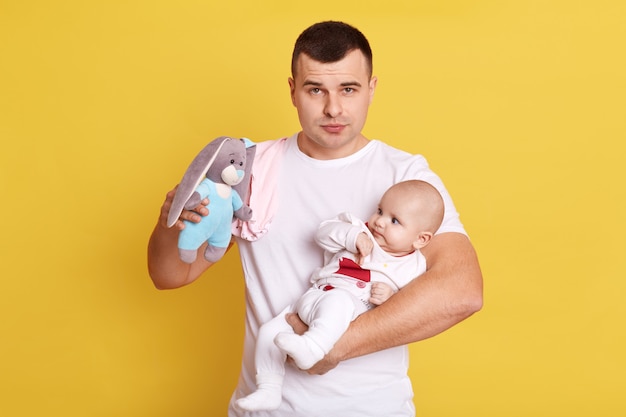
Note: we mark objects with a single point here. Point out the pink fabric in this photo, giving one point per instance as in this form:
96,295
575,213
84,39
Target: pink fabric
262,196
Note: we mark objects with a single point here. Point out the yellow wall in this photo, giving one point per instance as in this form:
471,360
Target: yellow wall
518,105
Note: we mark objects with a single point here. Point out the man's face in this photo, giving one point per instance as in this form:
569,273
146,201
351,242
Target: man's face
332,100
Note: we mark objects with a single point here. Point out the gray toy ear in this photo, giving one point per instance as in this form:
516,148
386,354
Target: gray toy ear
243,188
193,176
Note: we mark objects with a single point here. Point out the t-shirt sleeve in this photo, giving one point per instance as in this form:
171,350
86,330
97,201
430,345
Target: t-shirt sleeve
418,169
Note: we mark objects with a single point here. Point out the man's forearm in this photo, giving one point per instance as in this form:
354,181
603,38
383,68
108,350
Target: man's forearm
166,269
449,292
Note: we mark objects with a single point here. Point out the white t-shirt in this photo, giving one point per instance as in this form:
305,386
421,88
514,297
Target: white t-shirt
278,267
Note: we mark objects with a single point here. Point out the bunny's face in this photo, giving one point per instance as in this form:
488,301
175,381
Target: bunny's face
229,166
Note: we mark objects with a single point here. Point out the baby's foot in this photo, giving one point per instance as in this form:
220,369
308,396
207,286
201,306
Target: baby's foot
264,398
304,351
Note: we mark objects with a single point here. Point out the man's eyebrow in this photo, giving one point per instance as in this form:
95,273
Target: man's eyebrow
343,84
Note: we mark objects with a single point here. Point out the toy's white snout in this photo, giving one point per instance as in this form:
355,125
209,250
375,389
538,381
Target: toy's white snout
232,176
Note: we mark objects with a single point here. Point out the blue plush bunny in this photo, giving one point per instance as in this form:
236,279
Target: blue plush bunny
223,164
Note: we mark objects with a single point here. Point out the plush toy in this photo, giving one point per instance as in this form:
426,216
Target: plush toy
217,172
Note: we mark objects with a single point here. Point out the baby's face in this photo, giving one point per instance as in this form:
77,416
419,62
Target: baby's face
395,225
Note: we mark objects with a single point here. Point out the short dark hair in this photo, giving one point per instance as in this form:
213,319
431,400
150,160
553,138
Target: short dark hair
330,41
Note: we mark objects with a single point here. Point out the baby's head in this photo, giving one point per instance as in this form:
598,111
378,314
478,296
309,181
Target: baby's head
408,215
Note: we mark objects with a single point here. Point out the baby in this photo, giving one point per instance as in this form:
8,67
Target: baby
364,265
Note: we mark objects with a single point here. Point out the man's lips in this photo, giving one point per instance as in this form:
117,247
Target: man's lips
333,128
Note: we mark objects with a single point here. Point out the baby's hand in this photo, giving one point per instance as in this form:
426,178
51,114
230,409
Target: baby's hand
364,246
380,293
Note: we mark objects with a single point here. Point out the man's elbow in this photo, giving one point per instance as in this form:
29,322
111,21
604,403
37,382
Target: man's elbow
161,284
471,290
473,304
465,307
163,281
470,302
164,285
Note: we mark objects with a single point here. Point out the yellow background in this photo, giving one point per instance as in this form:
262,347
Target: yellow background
518,105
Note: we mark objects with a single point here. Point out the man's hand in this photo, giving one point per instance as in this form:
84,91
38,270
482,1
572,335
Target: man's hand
328,363
165,267
298,326
194,215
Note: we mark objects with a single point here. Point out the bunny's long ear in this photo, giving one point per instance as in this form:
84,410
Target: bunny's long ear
243,188
195,173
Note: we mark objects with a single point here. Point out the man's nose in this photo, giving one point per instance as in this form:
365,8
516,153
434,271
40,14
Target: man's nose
332,108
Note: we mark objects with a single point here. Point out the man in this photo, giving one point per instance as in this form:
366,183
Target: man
329,167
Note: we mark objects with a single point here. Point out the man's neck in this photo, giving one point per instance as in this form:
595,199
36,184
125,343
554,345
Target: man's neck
313,150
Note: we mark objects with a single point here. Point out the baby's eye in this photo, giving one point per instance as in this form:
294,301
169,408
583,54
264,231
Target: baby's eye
395,221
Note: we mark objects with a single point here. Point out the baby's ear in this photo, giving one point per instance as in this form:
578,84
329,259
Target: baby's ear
422,240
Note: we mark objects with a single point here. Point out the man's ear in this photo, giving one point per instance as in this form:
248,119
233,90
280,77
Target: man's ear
292,90
422,240
372,87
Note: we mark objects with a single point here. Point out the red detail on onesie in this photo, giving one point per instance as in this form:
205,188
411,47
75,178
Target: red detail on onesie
351,269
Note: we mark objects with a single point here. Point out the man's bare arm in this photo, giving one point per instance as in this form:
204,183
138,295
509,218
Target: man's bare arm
449,292
166,269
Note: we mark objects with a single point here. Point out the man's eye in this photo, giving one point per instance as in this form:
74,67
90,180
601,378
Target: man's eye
315,91
349,90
